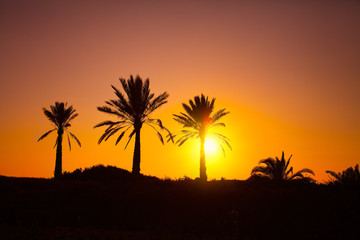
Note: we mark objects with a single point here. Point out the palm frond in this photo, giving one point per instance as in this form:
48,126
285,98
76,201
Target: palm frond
50,116
300,174
108,122
259,169
186,137
158,133
222,148
182,141
122,134
185,120
145,91
72,116
122,104
103,136
68,138
218,115
120,137
159,123
130,136
335,175
156,103
288,161
160,137
45,134
125,84
218,125
296,175
223,139
56,142
307,170
270,162
289,171
112,131
76,139
109,110
189,110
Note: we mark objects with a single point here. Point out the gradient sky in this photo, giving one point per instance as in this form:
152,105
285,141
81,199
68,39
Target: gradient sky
288,71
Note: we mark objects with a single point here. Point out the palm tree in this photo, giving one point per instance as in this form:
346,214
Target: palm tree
348,177
134,110
197,121
278,169
60,116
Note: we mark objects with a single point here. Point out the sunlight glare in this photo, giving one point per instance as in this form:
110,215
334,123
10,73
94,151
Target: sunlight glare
210,146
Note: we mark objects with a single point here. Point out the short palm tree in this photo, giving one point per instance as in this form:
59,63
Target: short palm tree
60,116
348,177
197,121
278,169
134,110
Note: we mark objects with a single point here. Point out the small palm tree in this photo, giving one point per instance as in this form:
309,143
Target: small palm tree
348,177
134,110
278,169
197,121
60,116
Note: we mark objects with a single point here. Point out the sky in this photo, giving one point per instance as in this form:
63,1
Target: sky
288,72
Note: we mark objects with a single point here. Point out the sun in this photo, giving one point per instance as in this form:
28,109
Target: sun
211,146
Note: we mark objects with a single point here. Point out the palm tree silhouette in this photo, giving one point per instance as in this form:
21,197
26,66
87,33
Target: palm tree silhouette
348,177
197,122
277,169
60,116
134,110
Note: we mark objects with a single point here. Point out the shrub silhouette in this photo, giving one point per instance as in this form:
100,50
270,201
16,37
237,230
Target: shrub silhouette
197,122
99,173
348,177
106,175
278,169
60,116
134,110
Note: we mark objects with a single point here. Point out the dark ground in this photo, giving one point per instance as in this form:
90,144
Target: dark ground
109,203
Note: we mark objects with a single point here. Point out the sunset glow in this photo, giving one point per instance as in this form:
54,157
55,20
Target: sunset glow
211,146
287,71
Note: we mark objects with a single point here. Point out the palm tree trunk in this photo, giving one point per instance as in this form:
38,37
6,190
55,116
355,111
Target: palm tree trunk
58,162
202,159
136,158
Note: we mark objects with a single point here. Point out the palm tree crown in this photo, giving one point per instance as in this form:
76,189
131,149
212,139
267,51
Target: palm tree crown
60,116
197,121
277,169
133,110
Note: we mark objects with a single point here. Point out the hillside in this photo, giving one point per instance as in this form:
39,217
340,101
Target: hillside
110,203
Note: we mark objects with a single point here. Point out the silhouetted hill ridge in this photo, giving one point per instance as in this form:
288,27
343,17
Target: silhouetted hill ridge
113,200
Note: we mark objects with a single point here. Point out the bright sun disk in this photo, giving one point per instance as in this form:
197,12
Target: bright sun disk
210,146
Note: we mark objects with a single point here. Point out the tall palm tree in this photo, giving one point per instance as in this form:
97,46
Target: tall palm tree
278,169
197,121
60,116
133,110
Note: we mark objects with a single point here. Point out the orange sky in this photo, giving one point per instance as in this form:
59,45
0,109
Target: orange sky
288,72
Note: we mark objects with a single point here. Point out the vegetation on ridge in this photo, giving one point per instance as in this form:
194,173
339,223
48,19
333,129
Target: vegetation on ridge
278,169
348,177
